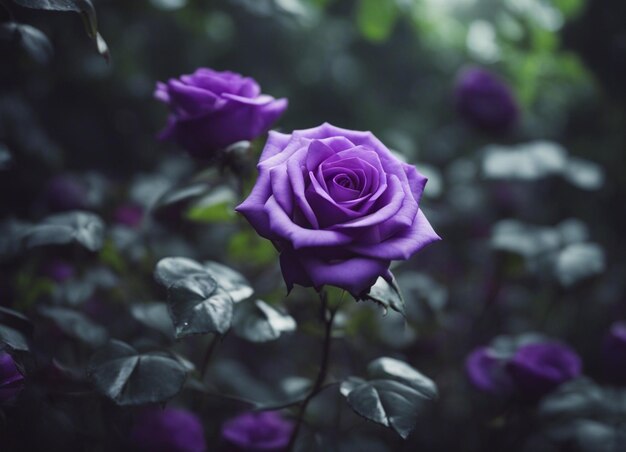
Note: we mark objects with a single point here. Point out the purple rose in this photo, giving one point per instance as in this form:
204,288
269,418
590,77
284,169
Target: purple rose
211,110
168,430
338,205
614,353
11,379
264,431
485,101
487,371
129,215
538,368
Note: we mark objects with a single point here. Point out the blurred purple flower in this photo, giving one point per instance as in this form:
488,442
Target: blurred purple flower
11,379
168,430
64,192
487,372
614,353
211,110
58,270
485,101
264,431
538,368
129,215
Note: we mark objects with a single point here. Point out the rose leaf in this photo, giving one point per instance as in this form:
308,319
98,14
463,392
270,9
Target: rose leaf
387,294
198,305
128,377
259,322
76,325
392,396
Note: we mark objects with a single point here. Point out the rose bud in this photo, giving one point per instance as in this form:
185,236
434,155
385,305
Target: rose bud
485,101
129,215
11,379
168,430
211,110
263,431
538,368
614,353
487,371
338,205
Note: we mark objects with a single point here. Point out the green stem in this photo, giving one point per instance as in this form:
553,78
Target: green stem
321,375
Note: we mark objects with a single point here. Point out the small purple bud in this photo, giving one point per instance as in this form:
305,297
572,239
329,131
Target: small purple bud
485,101
264,431
487,372
538,368
614,353
168,430
11,379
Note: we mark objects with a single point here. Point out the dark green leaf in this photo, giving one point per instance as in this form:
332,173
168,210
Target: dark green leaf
230,280
15,329
128,377
155,316
31,39
13,338
84,7
392,397
172,269
387,295
84,228
76,325
259,322
393,369
198,305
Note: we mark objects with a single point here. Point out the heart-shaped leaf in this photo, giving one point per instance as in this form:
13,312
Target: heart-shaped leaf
228,279
198,305
128,377
172,269
259,322
393,395
201,296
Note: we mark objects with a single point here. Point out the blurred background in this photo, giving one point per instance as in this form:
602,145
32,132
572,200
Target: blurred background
514,109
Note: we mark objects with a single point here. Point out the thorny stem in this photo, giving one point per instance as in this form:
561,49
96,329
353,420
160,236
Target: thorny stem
327,319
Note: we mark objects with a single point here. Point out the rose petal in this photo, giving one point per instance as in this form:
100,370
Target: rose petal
389,209
355,275
275,144
188,101
282,226
281,189
419,235
294,171
317,153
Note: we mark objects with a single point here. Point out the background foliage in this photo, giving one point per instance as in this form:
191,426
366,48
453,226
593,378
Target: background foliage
533,250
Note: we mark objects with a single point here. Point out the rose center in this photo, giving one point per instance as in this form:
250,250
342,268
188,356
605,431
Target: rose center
345,181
